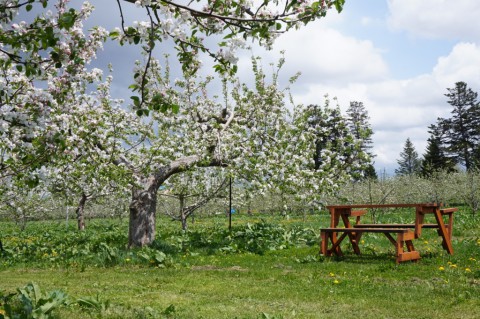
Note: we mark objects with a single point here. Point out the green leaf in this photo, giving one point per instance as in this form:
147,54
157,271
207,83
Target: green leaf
175,108
114,34
67,20
136,100
28,7
55,299
339,5
142,112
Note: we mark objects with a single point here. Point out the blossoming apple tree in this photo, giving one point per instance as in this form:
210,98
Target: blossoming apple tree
52,121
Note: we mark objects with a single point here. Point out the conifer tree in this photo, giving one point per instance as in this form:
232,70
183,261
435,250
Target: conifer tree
462,131
409,163
358,123
435,159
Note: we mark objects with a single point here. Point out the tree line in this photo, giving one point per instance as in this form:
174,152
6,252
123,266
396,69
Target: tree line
454,142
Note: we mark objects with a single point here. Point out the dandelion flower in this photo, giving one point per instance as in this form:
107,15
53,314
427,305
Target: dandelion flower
468,270
336,282
441,268
332,274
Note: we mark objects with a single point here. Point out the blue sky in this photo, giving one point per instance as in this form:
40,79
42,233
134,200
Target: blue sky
398,57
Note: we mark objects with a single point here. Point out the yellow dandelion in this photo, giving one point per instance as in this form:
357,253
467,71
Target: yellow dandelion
453,266
363,241
332,274
449,263
472,259
425,242
441,268
468,270
336,282
127,259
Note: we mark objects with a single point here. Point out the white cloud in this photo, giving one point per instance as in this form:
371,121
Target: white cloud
462,64
324,55
437,18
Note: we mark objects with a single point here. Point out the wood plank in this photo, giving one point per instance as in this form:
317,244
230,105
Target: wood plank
410,255
381,206
324,243
443,231
449,210
406,236
393,226
365,230
356,213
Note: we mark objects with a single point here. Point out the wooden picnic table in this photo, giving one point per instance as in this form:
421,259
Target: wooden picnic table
405,232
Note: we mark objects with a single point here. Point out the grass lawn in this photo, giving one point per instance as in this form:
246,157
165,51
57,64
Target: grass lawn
289,280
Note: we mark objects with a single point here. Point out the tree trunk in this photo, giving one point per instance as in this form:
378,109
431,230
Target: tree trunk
183,216
142,214
143,206
80,212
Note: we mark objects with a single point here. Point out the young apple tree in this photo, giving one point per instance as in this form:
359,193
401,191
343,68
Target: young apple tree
193,190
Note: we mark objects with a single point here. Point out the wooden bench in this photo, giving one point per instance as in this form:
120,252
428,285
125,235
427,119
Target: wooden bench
404,238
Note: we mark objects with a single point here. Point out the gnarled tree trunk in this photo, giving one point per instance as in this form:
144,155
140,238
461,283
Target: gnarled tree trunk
142,224
143,206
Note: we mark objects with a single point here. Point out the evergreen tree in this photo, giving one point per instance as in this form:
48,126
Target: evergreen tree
435,159
409,162
370,172
331,130
359,126
462,130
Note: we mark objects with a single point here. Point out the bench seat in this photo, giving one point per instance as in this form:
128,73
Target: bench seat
404,237
393,226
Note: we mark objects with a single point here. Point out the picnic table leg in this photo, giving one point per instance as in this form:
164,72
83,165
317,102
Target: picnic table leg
419,217
411,254
324,243
327,236
334,218
351,236
443,231
334,221
336,245
450,225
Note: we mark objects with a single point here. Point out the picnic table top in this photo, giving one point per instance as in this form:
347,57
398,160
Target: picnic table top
348,206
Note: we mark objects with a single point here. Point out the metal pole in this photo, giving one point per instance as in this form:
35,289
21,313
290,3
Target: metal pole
230,207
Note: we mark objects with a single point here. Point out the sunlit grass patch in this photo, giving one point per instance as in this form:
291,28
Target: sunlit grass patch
270,268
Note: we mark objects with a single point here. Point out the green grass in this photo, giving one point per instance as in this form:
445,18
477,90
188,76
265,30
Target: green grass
210,273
